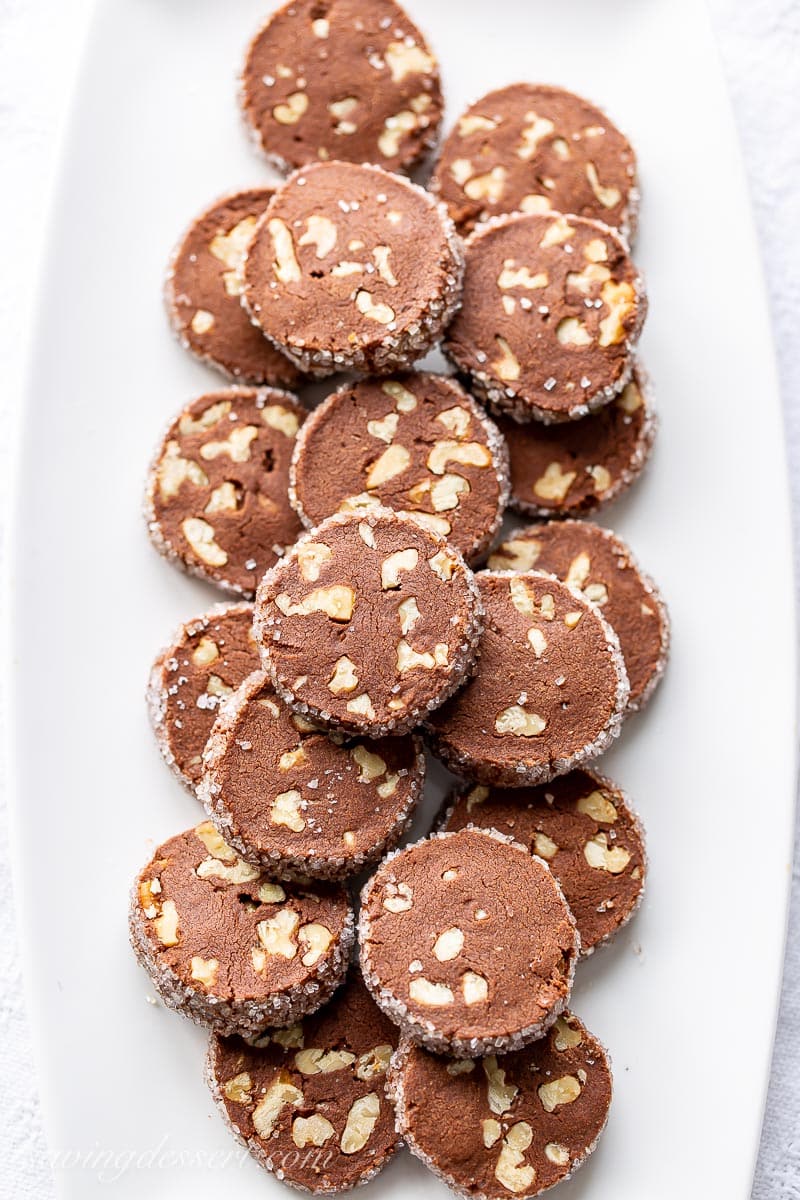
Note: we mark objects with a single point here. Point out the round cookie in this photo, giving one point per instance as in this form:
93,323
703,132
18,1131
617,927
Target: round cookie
310,1102
202,294
509,1126
552,309
206,660
368,623
341,80
550,690
217,500
574,467
601,566
290,797
417,443
467,943
533,148
352,267
229,947
583,828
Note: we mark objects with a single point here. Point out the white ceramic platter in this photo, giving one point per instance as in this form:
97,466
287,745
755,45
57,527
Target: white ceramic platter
685,999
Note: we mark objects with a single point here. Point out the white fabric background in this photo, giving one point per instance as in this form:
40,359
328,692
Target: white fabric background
40,43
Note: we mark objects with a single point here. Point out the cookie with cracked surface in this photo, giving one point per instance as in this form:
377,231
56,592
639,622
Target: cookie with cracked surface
310,1102
352,267
202,294
339,79
229,947
299,801
512,1125
552,310
206,660
550,690
572,468
368,623
417,443
536,149
602,567
217,500
467,943
581,825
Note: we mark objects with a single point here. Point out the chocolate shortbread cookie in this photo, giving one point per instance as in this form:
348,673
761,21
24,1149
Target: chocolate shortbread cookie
217,501
202,294
206,660
573,467
344,80
550,690
552,309
467,943
513,1125
228,946
417,443
582,826
352,267
369,622
602,567
533,148
309,1102
299,801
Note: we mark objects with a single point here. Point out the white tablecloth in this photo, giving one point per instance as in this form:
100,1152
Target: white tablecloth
39,47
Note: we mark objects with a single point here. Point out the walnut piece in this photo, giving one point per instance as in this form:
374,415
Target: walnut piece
361,1120
166,924
213,841
316,939
409,614
315,1061
277,933
544,846
391,463
512,1171
393,564
372,310
432,995
371,766
406,58
518,721
290,113
320,233
448,944
286,810
311,558
559,1091
405,401
344,677
204,970
499,1094
239,1089
200,536
337,602
555,483
597,806
470,454
277,1096
285,266
398,898
603,857
474,988
373,1062
385,428
311,1131
506,365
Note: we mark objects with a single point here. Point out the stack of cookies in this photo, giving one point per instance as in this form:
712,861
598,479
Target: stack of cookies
378,611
